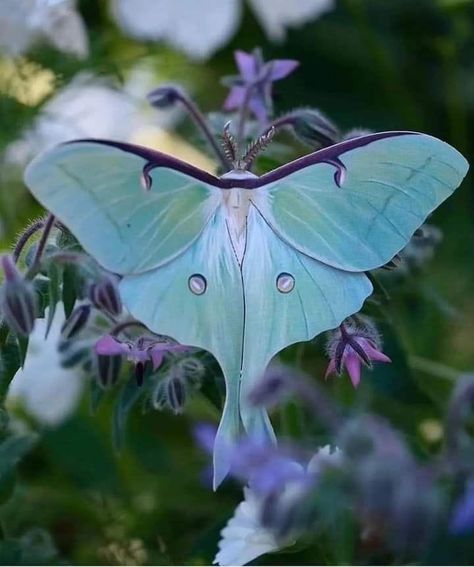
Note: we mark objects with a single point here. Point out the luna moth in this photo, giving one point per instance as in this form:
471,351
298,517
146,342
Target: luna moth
239,265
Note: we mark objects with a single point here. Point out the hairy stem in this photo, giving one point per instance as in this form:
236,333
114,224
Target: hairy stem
201,122
48,226
25,237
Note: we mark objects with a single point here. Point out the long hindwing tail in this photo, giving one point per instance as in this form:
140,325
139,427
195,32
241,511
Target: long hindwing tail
289,297
197,299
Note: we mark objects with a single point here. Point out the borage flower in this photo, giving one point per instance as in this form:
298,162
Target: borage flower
141,351
351,347
276,501
253,87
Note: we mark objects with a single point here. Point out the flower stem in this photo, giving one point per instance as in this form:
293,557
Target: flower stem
201,122
243,115
25,237
125,325
48,226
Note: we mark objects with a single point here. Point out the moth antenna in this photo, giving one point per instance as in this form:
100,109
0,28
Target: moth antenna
257,146
229,144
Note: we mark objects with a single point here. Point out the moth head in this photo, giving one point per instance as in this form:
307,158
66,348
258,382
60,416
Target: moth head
243,163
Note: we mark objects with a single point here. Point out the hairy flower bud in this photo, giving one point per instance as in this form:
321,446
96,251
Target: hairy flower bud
312,127
71,353
192,369
171,393
17,299
105,295
76,321
164,97
108,369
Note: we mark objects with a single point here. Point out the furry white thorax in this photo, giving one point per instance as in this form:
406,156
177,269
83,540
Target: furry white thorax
237,203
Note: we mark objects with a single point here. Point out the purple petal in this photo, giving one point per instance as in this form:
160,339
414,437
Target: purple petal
462,520
352,363
375,354
331,369
259,108
235,98
157,357
247,65
281,68
110,346
205,435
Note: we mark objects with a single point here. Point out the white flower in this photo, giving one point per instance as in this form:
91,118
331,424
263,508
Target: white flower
23,22
49,392
199,29
90,107
244,538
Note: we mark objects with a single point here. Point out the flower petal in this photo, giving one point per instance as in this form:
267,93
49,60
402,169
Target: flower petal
110,346
353,364
375,354
247,65
281,68
235,98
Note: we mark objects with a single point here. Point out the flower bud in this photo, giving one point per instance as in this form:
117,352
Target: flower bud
108,370
170,393
192,369
105,295
312,128
164,97
71,353
76,321
18,299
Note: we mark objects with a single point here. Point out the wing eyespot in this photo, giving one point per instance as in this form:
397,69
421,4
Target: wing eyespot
285,282
197,284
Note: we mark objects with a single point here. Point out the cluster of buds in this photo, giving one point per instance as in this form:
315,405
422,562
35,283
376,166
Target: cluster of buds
352,346
17,299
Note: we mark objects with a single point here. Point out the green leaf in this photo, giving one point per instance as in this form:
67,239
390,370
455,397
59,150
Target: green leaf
96,395
12,450
22,348
69,294
80,451
54,295
128,397
10,362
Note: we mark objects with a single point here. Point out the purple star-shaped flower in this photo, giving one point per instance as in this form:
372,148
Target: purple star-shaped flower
350,348
139,351
253,87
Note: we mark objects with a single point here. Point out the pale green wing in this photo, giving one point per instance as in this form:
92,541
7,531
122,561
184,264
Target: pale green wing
98,190
241,317
355,205
289,297
213,320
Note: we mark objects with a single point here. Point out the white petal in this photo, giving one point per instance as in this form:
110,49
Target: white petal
49,392
244,538
22,22
196,28
65,29
325,457
277,15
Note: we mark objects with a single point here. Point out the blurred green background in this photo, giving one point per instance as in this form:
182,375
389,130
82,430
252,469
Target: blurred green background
376,64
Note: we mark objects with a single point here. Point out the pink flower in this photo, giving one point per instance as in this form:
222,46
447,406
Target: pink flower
139,351
350,348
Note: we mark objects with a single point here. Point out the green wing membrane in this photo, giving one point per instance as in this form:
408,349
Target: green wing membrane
96,191
310,235
242,318
391,185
